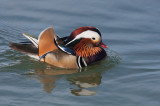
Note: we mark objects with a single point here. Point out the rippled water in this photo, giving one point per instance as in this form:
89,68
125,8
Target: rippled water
129,77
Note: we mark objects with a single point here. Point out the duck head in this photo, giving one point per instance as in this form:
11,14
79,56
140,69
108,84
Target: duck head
85,41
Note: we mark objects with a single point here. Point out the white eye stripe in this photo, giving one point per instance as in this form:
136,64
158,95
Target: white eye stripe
86,34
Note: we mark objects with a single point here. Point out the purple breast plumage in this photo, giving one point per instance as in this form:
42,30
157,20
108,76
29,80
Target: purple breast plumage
99,56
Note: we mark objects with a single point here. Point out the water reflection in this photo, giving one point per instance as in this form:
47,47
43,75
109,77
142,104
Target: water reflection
48,83
83,80
46,77
90,80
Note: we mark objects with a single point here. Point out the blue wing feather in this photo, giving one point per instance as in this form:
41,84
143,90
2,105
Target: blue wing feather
67,50
45,55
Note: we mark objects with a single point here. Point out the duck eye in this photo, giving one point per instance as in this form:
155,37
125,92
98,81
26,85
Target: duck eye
93,38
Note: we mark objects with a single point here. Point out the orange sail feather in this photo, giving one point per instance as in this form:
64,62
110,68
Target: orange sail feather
46,41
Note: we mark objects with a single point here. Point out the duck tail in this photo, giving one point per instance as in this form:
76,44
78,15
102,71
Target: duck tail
25,47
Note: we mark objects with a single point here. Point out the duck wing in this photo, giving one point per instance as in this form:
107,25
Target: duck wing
46,41
54,54
32,39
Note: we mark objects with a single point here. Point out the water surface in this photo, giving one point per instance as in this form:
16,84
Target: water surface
131,75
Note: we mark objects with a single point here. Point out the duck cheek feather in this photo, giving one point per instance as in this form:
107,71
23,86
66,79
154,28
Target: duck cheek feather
85,48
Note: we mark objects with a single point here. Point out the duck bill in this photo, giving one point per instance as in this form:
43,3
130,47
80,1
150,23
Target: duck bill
101,44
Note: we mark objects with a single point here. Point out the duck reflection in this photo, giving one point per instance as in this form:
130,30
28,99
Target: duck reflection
48,79
84,81
48,83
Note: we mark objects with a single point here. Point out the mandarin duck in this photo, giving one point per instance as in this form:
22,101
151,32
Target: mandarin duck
82,48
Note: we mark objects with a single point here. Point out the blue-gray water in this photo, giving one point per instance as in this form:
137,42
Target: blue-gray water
131,29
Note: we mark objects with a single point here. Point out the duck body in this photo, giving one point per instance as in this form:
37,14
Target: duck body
82,48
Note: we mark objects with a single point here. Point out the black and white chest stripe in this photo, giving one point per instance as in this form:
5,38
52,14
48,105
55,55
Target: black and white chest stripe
81,62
